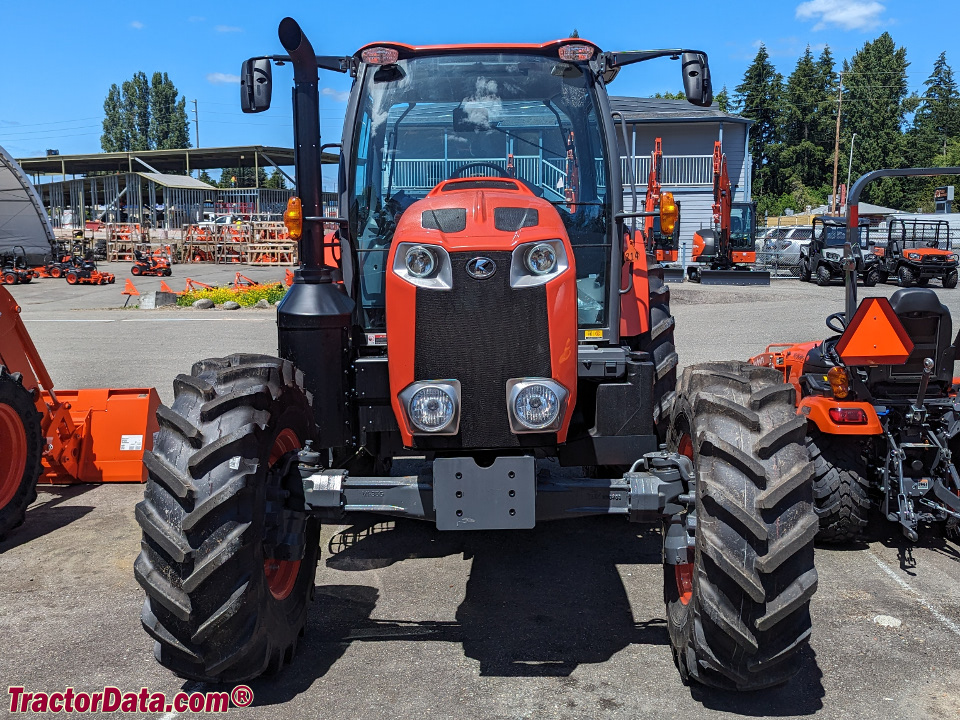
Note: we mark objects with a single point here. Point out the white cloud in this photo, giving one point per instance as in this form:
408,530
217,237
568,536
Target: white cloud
136,25
845,14
338,95
227,28
223,78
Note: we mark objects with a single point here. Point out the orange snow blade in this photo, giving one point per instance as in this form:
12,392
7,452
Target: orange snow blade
112,428
875,336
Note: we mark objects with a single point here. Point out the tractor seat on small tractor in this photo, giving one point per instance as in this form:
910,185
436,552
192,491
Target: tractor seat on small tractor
928,324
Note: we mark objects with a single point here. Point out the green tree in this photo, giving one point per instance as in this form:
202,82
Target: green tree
758,98
205,177
802,158
722,99
242,177
276,181
875,103
670,95
140,115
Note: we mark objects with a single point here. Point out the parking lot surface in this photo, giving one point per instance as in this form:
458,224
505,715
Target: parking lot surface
564,621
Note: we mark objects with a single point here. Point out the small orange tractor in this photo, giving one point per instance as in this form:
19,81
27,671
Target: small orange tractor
723,252
85,272
13,267
150,264
62,436
879,402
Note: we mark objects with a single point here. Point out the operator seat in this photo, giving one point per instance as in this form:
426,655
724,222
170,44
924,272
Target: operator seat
928,323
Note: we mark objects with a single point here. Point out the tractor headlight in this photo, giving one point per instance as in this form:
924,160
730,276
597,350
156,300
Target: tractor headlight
420,260
913,256
433,406
952,257
541,259
426,266
535,404
537,263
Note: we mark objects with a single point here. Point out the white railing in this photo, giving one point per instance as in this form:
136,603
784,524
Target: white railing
424,174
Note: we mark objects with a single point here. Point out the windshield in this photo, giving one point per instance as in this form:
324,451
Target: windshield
742,227
427,119
836,235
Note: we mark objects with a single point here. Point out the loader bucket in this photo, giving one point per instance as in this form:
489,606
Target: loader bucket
115,428
734,277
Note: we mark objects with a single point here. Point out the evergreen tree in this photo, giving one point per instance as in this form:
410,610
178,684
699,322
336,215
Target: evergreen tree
114,138
758,98
276,181
205,177
937,119
144,115
804,153
242,177
875,102
722,99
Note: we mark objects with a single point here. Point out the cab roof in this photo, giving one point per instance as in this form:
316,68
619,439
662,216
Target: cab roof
547,48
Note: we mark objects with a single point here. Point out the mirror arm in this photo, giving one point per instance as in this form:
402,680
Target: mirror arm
620,59
629,215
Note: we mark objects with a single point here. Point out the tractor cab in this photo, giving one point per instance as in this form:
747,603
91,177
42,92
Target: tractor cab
743,226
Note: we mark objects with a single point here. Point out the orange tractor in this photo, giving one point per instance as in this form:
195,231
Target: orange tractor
723,252
86,272
497,320
61,436
146,263
13,267
879,403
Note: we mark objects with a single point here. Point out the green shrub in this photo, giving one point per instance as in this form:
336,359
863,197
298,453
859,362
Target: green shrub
246,296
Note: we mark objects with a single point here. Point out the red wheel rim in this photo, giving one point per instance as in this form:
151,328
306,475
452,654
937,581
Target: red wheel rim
684,576
13,452
685,446
282,574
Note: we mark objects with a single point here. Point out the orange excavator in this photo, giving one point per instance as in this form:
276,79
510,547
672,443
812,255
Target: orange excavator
62,436
723,253
663,246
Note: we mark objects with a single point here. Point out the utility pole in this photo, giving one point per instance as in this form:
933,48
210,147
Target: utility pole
850,161
836,149
196,121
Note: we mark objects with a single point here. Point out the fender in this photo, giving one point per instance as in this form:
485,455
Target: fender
635,304
817,411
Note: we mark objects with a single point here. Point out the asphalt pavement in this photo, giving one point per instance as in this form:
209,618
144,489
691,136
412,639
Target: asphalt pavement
563,621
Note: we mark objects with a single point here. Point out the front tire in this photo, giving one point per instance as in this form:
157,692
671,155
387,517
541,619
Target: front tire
840,486
950,279
659,343
871,277
905,276
804,270
228,555
823,275
739,614
21,445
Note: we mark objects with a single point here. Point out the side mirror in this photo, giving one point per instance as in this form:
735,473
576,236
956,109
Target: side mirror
696,79
256,85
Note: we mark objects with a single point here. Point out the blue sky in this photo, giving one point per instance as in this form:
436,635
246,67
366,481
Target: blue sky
63,56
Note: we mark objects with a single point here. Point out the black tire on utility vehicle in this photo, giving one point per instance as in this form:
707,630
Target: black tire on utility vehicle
884,276
871,277
740,613
21,446
950,279
823,275
905,276
228,555
804,270
840,486
659,342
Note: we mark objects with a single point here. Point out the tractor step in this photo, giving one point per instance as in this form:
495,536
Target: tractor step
734,277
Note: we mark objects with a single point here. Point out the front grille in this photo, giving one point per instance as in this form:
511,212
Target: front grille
482,333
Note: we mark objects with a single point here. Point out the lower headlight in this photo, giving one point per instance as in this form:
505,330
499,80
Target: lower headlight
420,261
535,405
541,259
433,407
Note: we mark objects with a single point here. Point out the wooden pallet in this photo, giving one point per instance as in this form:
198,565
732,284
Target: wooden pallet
273,253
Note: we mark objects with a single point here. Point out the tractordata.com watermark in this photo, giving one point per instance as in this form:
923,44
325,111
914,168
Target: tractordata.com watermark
112,699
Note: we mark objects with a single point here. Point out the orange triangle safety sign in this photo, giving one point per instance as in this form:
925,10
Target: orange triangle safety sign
875,336
129,289
166,288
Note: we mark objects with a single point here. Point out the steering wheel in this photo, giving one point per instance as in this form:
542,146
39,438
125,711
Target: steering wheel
837,322
459,171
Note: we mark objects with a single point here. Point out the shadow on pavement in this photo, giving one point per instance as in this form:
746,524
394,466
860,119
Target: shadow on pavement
537,603
47,516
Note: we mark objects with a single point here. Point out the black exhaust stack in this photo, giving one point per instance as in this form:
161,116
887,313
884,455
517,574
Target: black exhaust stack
315,316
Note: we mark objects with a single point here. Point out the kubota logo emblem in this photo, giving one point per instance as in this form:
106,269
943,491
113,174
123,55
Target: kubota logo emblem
480,268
